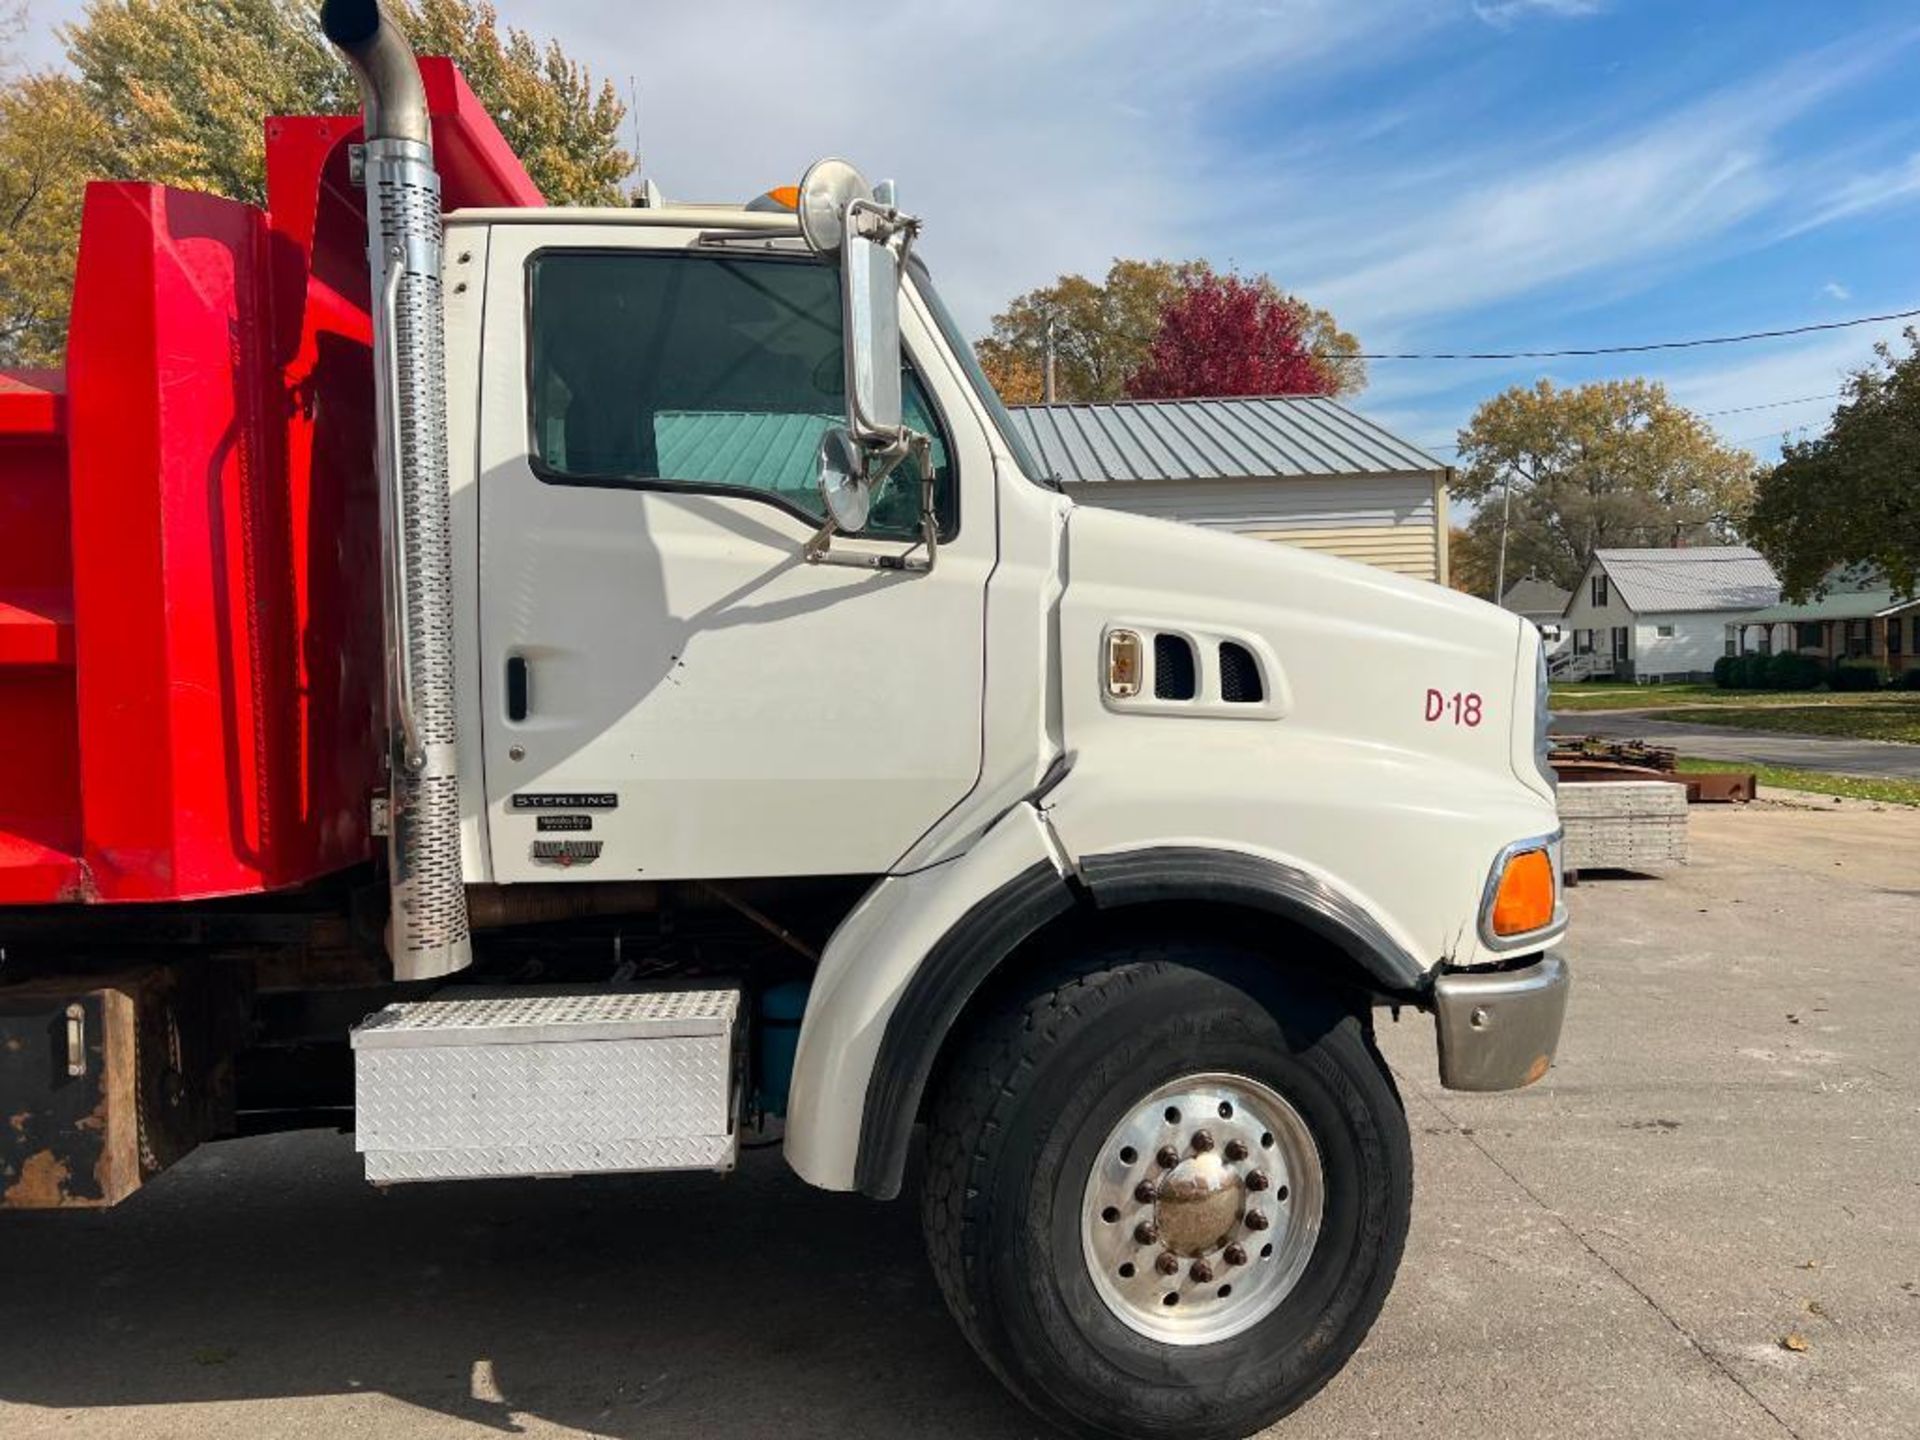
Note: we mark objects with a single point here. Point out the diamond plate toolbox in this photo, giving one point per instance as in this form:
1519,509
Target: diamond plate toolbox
505,1084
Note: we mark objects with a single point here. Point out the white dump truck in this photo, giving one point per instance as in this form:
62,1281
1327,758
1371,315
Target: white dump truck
577,687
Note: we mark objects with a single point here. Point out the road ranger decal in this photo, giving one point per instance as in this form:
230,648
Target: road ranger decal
567,852
563,822
567,800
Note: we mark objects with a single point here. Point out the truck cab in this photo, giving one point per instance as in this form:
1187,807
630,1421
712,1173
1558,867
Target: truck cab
762,743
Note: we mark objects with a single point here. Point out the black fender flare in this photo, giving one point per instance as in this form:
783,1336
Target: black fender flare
992,929
998,924
1252,882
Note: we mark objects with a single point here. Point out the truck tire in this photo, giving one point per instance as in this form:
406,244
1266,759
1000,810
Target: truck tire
1166,1192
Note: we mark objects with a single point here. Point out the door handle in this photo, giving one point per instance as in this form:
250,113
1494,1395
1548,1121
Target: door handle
517,687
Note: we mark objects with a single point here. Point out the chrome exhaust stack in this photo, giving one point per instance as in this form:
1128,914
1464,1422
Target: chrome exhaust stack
427,932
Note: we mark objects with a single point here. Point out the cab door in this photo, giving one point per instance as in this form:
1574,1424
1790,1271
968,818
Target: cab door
669,689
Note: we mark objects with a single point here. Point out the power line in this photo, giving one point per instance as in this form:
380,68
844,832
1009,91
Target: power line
1705,415
1770,404
1642,349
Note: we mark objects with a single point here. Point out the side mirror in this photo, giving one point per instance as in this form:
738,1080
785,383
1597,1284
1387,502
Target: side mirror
839,216
870,297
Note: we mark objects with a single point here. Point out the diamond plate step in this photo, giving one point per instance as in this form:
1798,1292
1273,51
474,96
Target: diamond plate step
514,1084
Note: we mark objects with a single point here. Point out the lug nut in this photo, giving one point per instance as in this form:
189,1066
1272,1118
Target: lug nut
1234,1255
1257,1221
1168,1157
1167,1264
1235,1151
1146,1232
1145,1192
1202,1141
1201,1272
1258,1180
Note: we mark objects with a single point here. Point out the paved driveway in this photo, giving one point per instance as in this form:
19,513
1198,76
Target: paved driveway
1756,747
1724,1157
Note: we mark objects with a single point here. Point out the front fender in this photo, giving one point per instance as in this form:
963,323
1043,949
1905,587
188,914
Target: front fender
891,982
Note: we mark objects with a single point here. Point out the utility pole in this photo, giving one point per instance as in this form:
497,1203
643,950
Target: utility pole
1046,382
1506,516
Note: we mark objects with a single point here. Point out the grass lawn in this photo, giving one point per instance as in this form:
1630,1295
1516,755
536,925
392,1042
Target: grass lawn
1858,787
1886,717
1571,699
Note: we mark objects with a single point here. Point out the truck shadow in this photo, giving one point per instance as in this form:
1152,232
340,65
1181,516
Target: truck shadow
266,1269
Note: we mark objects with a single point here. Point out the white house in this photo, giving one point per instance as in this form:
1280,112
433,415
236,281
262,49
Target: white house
1298,469
1542,602
1664,614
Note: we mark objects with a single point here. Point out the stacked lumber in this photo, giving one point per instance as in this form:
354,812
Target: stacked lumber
1623,825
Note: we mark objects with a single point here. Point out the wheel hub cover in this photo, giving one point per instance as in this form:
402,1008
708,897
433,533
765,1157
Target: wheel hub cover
1199,1205
1202,1208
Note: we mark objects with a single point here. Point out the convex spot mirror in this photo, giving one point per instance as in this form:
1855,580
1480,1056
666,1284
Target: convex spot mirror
839,216
845,487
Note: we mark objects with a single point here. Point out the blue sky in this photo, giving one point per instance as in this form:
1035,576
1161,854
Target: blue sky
1442,174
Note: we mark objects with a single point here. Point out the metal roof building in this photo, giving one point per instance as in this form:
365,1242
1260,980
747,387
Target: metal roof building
1700,577
1300,469
1664,614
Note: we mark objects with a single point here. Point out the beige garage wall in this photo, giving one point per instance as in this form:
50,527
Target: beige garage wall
1393,521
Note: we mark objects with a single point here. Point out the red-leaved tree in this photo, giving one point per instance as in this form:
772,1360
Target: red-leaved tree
1222,335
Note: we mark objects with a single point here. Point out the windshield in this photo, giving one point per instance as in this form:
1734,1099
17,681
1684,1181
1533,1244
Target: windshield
969,362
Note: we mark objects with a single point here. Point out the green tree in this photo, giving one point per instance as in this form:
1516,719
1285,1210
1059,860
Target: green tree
185,85
1614,463
1850,500
13,22
1104,330
177,91
49,136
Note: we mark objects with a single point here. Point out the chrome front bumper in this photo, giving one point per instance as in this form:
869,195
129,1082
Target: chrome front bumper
1498,1028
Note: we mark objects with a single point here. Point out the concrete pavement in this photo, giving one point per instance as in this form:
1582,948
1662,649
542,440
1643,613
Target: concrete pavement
1827,753
1724,1156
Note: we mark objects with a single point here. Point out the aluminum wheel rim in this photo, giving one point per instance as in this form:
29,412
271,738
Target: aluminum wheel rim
1200,1250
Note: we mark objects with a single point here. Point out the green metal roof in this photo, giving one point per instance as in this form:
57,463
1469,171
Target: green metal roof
1839,605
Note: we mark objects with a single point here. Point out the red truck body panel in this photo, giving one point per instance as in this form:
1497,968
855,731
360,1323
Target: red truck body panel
190,650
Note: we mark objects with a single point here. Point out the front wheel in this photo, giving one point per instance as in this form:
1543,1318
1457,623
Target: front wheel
1166,1195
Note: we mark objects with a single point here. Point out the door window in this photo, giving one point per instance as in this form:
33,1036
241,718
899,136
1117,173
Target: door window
703,372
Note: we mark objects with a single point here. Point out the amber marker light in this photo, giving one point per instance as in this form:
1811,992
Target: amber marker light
1524,901
1123,663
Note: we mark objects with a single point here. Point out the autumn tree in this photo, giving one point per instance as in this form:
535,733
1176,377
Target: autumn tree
1850,499
1016,378
1469,567
49,138
13,22
1225,335
177,92
1614,463
1103,331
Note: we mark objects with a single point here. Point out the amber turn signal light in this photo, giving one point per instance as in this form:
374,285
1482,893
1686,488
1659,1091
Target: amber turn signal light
1524,901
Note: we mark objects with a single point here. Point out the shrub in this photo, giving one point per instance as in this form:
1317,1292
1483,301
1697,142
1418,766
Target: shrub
1726,665
1855,677
1909,680
1752,672
1788,671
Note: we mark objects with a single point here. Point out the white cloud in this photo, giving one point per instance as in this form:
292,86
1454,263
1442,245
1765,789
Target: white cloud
1862,194
1834,290
1034,139
1505,14
1611,207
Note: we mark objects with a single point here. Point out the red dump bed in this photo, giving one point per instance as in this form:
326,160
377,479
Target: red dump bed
189,606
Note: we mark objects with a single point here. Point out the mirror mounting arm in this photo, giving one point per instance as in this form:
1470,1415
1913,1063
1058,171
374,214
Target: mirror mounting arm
819,551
